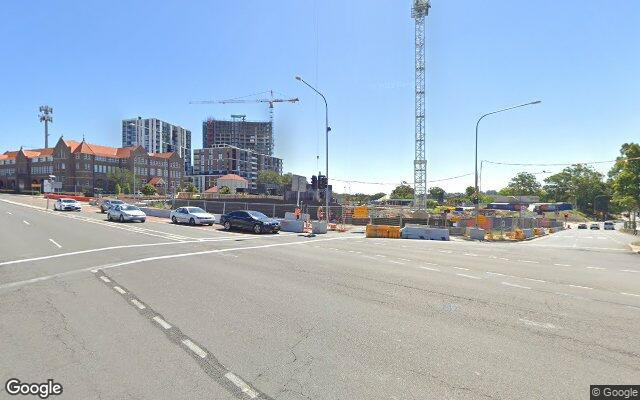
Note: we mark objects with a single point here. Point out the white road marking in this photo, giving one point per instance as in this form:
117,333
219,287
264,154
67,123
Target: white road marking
493,257
562,265
461,268
634,308
119,290
143,260
396,262
598,268
94,270
535,280
629,270
241,384
431,269
514,285
195,348
138,304
446,251
54,242
469,276
580,287
9,212
380,255
162,322
537,324
495,273
404,259
25,222
630,294
528,261
428,263
470,254
504,258
105,279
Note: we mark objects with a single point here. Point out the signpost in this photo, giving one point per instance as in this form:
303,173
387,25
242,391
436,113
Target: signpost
298,184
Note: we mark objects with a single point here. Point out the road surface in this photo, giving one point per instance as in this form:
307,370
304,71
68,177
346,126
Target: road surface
155,310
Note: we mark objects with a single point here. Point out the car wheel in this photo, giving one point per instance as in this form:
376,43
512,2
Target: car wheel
174,219
227,226
121,218
257,228
211,224
108,217
192,221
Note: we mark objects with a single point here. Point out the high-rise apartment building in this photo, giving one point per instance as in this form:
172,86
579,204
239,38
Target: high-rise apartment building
158,136
256,136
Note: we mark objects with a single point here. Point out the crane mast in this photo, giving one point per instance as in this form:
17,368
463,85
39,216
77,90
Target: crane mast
419,11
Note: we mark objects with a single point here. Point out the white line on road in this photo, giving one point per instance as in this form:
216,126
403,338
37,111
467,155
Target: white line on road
396,262
380,255
535,280
9,212
195,348
138,304
470,254
429,263
119,290
580,287
162,322
495,273
598,268
537,324
630,294
105,279
514,285
446,251
404,259
529,261
431,269
504,258
241,384
56,243
562,265
25,222
469,276
629,270
461,268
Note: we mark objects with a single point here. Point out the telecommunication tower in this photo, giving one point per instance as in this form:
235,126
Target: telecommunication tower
45,116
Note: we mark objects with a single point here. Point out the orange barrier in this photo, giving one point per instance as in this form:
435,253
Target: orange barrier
62,196
383,231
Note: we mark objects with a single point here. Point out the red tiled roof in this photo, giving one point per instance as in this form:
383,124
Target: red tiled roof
233,177
212,189
156,180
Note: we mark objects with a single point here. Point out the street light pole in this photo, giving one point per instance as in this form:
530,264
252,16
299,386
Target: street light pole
327,130
476,199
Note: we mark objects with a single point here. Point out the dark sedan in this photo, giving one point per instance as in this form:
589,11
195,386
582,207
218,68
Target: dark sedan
253,221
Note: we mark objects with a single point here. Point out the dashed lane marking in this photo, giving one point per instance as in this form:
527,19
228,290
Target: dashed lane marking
119,290
55,243
396,262
195,348
597,268
516,286
629,270
535,280
529,261
630,294
138,304
580,287
9,212
431,269
26,222
105,279
537,324
461,268
469,276
162,322
404,259
241,384
562,265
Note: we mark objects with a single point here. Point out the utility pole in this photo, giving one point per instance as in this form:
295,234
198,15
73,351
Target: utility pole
419,11
45,116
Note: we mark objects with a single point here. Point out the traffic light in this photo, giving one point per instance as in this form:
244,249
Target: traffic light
314,182
322,182
475,200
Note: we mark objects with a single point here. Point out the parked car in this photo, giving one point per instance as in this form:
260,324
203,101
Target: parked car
192,215
67,205
609,226
253,221
106,204
582,226
595,225
126,212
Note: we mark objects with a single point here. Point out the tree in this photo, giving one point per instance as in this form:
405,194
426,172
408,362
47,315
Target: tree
149,190
118,189
123,178
126,189
437,193
224,190
269,177
470,191
285,180
523,184
577,184
377,196
402,191
624,177
191,188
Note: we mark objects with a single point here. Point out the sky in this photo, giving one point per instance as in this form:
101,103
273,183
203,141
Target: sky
98,62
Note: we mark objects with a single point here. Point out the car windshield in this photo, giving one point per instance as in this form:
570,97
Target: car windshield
68,201
130,208
195,210
257,215
116,201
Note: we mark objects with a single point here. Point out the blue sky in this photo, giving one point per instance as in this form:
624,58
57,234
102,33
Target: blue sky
96,63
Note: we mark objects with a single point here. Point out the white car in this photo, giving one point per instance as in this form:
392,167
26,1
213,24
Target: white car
126,212
67,205
192,216
608,226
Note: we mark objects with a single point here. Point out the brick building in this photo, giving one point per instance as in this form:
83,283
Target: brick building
84,167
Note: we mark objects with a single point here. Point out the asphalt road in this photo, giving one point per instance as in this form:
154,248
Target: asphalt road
159,311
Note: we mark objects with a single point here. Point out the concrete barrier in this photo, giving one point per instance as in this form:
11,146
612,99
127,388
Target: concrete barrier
318,227
156,212
476,233
528,233
287,225
292,216
423,232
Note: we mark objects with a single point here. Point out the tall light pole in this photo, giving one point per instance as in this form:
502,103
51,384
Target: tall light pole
45,116
476,195
327,130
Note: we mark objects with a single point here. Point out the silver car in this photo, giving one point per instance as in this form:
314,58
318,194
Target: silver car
106,204
67,205
192,216
126,212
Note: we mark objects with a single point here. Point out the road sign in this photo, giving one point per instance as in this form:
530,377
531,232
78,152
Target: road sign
298,183
47,186
361,212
